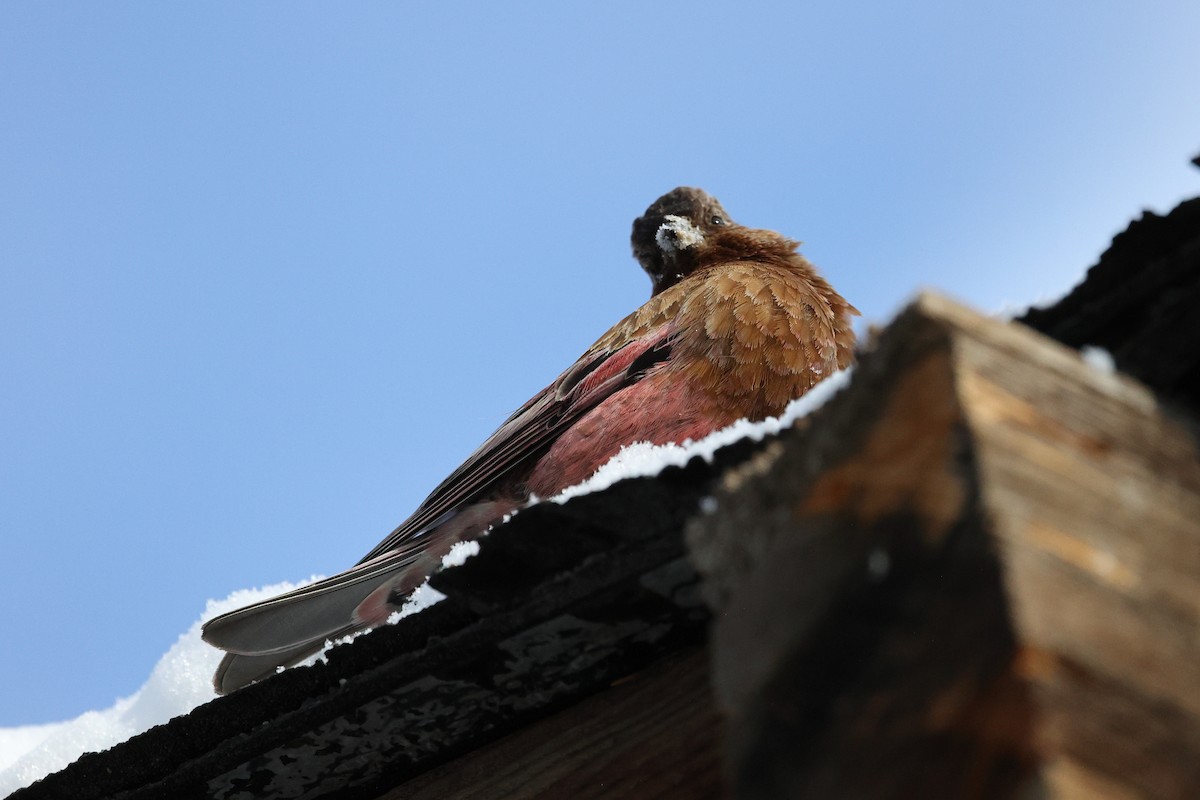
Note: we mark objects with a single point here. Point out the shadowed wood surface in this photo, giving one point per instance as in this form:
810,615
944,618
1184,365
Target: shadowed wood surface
976,574
653,735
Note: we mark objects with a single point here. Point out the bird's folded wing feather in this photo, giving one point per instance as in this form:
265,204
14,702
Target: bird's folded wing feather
534,427
295,624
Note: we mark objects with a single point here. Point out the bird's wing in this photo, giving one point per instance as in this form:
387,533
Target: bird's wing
287,628
529,432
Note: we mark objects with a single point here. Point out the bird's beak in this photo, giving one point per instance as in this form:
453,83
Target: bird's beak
677,233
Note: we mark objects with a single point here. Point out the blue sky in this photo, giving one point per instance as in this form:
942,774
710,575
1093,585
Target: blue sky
269,271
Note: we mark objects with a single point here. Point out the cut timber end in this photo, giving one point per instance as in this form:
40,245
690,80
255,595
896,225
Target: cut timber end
975,574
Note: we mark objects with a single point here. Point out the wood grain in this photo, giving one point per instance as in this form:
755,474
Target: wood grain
986,584
653,735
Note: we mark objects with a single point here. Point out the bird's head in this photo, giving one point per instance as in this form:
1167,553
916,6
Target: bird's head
687,229
670,237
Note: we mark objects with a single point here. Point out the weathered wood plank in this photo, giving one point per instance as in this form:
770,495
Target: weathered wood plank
654,735
977,573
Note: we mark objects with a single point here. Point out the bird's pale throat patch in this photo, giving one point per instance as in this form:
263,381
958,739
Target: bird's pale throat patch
677,233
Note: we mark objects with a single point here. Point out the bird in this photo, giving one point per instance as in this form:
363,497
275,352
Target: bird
738,324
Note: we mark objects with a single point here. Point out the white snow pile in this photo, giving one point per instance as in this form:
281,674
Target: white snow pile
180,681
182,678
1009,310
1098,359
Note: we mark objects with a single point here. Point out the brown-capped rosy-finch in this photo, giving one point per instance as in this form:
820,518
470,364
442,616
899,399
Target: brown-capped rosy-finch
738,325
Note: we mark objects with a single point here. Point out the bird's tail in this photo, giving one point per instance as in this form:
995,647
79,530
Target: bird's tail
237,669
286,629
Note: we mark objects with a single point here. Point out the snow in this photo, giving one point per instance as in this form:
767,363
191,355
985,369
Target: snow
459,553
1098,359
686,234
1009,310
879,564
180,681
182,678
14,742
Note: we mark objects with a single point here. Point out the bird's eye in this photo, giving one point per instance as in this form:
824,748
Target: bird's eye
716,220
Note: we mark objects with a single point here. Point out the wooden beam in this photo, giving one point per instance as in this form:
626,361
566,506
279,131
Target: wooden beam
652,735
975,574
